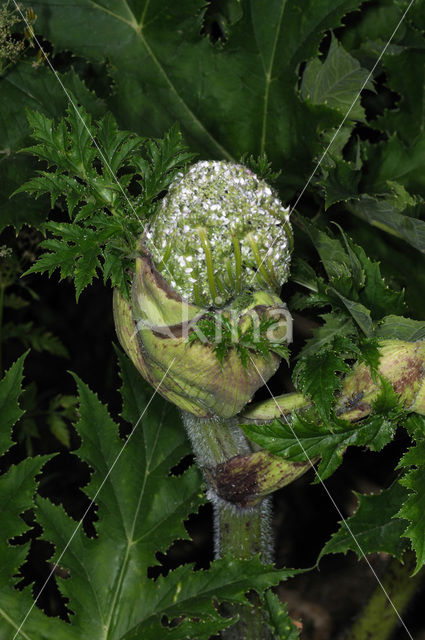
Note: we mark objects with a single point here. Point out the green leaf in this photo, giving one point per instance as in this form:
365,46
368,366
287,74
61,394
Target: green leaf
395,161
136,519
10,412
405,74
192,594
374,26
38,338
303,440
280,621
140,512
394,212
25,87
341,183
413,509
253,74
415,425
374,527
356,286
400,328
17,488
332,253
358,311
106,217
333,328
376,294
336,82
316,377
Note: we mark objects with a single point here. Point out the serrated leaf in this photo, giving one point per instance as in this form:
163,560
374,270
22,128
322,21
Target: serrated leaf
334,326
257,82
356,283
137,518
87,265
413,510
280,621
415,425
332,253
405,74
10,411
374,527
17,488
302,440
37,338
341,183
395,161
22,87
336,81
316,376
358,311
193,593
376,294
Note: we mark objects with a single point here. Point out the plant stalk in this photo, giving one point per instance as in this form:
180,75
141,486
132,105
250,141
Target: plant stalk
379,619
239,531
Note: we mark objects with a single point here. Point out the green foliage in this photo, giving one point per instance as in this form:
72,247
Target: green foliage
336,82
413,479
379,524
110,190
260,166
305,438
225,333
401,328
280,622
37,338
359,299
276,84
138,516
374,526
249,102
27,87
10,390
17,488
353,285
318,379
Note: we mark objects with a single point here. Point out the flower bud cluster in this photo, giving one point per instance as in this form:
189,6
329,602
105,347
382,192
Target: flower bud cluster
220,239
219,230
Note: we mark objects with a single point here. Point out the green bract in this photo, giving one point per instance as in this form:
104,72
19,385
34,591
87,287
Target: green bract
219,231
154,330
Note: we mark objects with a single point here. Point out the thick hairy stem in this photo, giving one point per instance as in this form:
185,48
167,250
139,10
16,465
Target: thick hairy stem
379,619
239,530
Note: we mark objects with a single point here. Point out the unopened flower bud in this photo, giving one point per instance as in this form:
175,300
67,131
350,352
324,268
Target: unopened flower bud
220,238
219,231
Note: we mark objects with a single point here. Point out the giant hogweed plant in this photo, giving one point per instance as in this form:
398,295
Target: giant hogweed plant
196,254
